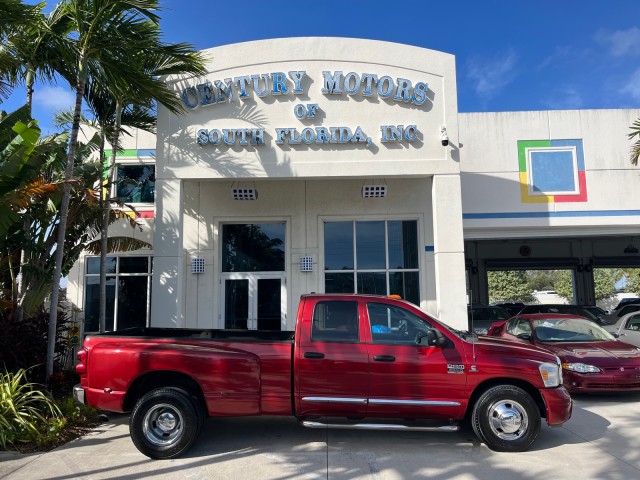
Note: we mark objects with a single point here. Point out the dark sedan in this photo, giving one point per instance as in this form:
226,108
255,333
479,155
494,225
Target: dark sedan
592,359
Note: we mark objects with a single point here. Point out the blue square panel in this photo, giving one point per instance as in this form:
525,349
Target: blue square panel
552,171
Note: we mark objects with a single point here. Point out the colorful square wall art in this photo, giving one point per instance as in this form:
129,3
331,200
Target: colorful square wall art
552,171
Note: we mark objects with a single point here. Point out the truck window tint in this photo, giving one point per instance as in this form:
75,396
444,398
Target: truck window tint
394,325
335,321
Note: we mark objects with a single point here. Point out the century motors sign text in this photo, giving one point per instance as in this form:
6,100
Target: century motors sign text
278,83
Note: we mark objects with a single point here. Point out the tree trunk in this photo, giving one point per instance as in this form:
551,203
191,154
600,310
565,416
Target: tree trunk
26,224
104,203
64,212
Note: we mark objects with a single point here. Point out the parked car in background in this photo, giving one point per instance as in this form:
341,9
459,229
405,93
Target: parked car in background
566,309
597,310
627,328
592,359
511,307
614,316
626,301
482,316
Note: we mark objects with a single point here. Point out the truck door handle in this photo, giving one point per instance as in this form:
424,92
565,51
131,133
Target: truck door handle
384,358
313,355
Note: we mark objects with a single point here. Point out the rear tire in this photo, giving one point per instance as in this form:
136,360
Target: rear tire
506,418
164,423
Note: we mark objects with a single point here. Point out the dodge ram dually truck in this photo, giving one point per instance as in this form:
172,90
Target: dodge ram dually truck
351,358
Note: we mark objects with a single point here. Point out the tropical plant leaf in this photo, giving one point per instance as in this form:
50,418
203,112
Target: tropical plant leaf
117,244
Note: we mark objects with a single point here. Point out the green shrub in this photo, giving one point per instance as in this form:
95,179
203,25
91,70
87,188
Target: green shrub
26,413
23,345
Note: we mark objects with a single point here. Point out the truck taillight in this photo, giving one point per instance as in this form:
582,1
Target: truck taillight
81,367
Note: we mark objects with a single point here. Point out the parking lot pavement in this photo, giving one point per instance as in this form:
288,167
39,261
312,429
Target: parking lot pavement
602,440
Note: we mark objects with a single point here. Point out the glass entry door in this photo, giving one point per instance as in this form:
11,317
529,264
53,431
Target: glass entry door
254,301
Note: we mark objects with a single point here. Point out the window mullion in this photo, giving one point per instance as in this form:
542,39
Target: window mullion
386,254
355,258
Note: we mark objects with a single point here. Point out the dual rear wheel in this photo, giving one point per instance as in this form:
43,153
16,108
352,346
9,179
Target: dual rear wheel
165,422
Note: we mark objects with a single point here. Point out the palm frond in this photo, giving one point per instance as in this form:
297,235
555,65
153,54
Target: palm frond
635,148
117,244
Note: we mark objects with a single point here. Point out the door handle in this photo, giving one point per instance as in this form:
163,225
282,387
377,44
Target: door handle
313,355
384,358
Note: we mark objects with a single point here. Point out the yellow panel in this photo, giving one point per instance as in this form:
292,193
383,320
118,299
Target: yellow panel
524,192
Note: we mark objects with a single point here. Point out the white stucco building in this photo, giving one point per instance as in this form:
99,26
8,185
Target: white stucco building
342,165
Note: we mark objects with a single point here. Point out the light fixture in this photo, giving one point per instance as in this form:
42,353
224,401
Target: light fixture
197,265
306,264
444,138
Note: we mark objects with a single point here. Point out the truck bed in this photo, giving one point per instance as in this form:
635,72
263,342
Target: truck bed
214,334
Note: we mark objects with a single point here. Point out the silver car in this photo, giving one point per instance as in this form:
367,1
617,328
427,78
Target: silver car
627,328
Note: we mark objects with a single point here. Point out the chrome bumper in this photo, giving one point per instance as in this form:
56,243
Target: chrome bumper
78,394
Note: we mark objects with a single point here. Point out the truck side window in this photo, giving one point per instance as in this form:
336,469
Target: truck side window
394,325
335,321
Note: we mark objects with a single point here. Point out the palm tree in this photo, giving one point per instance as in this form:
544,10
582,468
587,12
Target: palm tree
130,102
102,45
635,148
97,42
15,18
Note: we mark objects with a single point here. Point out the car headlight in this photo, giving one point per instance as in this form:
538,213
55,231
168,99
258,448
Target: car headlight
551,374
580,368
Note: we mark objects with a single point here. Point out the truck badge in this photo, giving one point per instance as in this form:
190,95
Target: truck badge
453,368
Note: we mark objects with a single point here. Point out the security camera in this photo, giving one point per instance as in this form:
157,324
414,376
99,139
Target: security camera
444,138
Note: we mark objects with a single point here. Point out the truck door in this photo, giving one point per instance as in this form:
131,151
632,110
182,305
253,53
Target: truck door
407,378
332,365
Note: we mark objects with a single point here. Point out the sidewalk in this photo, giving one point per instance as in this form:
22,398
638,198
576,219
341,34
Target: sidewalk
602,440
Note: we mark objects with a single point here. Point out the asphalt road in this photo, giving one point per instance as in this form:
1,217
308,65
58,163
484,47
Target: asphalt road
601,441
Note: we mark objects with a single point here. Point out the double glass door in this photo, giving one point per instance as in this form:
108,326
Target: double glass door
253,276
254,302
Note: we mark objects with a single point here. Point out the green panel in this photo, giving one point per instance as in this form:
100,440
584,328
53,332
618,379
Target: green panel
524,144
123,153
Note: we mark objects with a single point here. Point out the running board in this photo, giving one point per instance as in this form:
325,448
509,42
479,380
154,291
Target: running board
380,426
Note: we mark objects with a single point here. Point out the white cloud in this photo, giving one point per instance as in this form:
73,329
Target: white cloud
53,98
621,42
632,87
565,98
491,75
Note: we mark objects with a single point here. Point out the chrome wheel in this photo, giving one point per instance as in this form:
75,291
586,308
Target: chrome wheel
508,419
163,425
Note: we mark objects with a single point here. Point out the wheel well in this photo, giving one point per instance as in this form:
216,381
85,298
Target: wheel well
153,380
526,386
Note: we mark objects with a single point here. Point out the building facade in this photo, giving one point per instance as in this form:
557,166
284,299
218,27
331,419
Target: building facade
342,165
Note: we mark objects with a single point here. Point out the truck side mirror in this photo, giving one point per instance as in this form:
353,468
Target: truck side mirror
434,338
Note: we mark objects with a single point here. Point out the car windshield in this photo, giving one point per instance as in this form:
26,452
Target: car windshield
569,330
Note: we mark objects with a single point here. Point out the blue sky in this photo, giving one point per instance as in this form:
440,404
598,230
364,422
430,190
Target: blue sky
510,54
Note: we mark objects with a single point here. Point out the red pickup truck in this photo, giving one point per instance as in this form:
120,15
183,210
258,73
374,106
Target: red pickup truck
351,358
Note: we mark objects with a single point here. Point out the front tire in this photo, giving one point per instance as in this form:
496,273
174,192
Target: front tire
164,423
506,418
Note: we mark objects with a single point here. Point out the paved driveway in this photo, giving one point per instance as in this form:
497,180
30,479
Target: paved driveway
601,441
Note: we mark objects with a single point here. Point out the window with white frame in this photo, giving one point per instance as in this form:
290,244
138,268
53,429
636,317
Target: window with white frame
128,292
135,182
372,256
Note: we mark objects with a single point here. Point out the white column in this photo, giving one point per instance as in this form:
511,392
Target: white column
449,251
167,295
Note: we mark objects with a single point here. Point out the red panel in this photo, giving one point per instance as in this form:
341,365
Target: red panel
581,197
